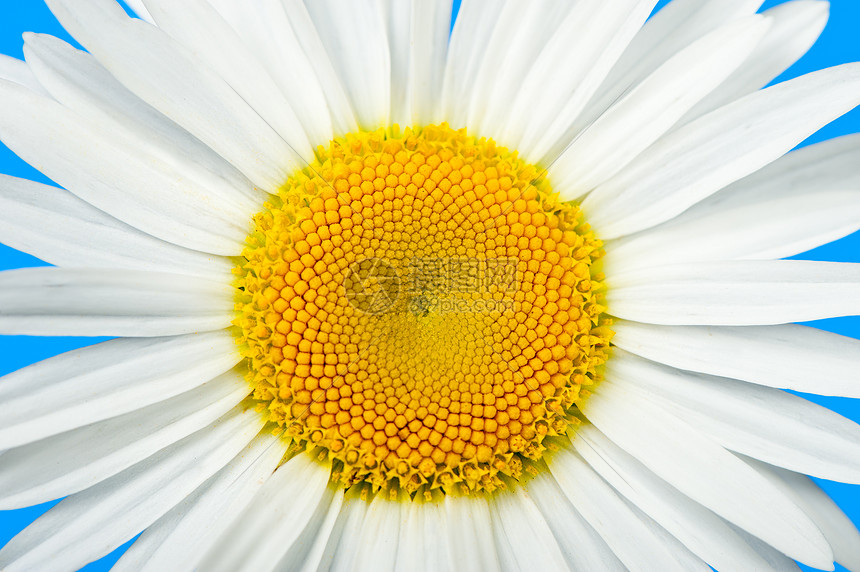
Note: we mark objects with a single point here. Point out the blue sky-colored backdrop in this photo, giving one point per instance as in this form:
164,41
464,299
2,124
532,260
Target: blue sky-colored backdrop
840,43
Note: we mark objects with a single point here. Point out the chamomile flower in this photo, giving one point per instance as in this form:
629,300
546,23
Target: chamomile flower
389,297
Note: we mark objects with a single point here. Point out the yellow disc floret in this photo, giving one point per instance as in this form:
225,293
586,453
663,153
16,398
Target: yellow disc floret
422,309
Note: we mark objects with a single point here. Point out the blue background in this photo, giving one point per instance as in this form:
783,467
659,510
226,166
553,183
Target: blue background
838,44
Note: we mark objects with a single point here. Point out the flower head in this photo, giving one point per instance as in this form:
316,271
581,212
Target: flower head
391,296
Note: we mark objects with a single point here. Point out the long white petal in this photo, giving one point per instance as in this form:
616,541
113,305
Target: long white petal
71,462
377,541
703,532
808,198
470,38
530,538
633,542
796,27
838,529
343,541
198,26
61,229
176,82
116,175
139,9
418,32
275,518
431,25
107,380
580,544
398,21
85,302
704,471
268,32
181,538
761,422
423,546
365,72
718,149
577,59
741,293
306,552
789,356
469,530
518,37
775,559
90,524
340,107
315,547
17,71
653,107
681,553
78,81
668,32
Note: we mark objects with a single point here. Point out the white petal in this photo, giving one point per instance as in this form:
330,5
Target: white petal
423,545
796,27
78,81
627,535
376,542
139,9
470,38
343,544
200,28
808,198
704,471
71,462
17,71
180,539
529,537
316,546
116,175
840,532
288,502
518,37
431,25
718,149
653,107
354,37
107,380
789,356
668,32
268,32
699,529
742,293
761,422
418,32
470,535
85,302
90,524
582,547
307,551
176,82
398,21
774,558
54,225
681,553
569,71
342,113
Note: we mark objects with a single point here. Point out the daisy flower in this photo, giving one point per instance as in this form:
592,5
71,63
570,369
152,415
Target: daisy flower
387,296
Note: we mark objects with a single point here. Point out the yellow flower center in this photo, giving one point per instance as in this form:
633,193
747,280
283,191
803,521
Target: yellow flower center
420,308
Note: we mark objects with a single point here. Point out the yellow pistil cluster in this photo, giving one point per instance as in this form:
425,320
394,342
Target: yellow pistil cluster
419,307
